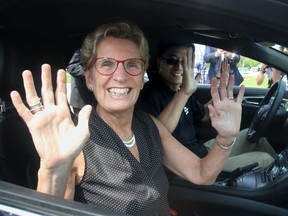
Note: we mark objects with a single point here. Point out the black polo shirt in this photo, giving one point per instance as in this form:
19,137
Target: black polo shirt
155,96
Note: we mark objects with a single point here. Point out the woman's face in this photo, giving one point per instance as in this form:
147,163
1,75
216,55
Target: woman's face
119,91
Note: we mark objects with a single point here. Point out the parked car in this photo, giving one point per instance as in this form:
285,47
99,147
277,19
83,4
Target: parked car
254,69
244,70
36,32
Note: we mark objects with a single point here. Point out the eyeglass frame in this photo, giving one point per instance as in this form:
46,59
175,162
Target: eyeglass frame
118,61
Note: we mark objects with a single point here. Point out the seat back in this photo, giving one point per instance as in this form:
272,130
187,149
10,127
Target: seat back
16,148
19,160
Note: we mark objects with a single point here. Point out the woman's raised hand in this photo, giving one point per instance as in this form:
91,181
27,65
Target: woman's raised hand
56,138
225,113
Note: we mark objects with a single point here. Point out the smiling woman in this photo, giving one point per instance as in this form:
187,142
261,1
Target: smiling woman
68,162
212,23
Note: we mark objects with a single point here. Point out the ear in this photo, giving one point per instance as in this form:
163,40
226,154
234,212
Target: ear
88,80
142,82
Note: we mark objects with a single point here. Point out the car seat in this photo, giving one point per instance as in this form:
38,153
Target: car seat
19,160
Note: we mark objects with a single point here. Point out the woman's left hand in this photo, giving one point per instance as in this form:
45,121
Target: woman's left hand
225,113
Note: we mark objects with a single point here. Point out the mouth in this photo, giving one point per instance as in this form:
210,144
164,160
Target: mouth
119,91
178,74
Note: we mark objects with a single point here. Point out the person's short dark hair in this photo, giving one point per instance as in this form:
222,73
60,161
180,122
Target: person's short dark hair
165,45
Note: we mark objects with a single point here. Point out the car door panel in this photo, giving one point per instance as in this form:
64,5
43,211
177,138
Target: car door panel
250,104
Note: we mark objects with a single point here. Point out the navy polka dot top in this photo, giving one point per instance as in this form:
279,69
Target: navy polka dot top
114,179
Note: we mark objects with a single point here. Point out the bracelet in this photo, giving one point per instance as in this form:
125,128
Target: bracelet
225,147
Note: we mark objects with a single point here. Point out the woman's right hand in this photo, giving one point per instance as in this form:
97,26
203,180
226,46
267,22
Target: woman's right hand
57,140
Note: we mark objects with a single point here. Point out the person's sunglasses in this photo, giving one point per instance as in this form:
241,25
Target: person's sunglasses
171,60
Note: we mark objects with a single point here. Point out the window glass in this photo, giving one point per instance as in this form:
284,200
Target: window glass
254,73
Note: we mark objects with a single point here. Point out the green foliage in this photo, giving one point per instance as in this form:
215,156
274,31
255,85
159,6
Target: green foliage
247,62
68,78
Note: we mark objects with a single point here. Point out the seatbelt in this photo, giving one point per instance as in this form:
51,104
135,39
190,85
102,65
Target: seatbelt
2,110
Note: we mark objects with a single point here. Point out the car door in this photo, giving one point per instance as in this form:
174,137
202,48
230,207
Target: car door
254,93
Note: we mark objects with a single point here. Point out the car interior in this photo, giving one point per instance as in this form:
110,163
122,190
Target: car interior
36,32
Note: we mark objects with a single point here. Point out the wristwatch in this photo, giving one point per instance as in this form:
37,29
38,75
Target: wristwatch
263,70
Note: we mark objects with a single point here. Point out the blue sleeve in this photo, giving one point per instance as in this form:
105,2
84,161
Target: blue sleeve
209,56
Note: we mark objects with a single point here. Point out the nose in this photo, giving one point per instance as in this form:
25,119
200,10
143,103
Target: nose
120,74
179,65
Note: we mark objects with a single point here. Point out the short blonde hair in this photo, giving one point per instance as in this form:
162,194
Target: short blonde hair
123,30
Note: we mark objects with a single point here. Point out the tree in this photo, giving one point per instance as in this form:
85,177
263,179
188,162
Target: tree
247,62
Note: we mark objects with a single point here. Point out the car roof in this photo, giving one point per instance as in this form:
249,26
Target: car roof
56,28
222,18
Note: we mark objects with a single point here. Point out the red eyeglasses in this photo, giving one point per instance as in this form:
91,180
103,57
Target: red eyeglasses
107,66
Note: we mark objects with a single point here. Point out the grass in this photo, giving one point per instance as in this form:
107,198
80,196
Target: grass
250,81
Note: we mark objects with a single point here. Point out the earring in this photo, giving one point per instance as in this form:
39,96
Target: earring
91,89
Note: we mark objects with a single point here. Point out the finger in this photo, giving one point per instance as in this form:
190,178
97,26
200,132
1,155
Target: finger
189,58
212,111
214,90
225,67
230,86
83,117
241,94
47,88
225,71
61,95
198,77
22,110
223,84
185,62
192,61
31,94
